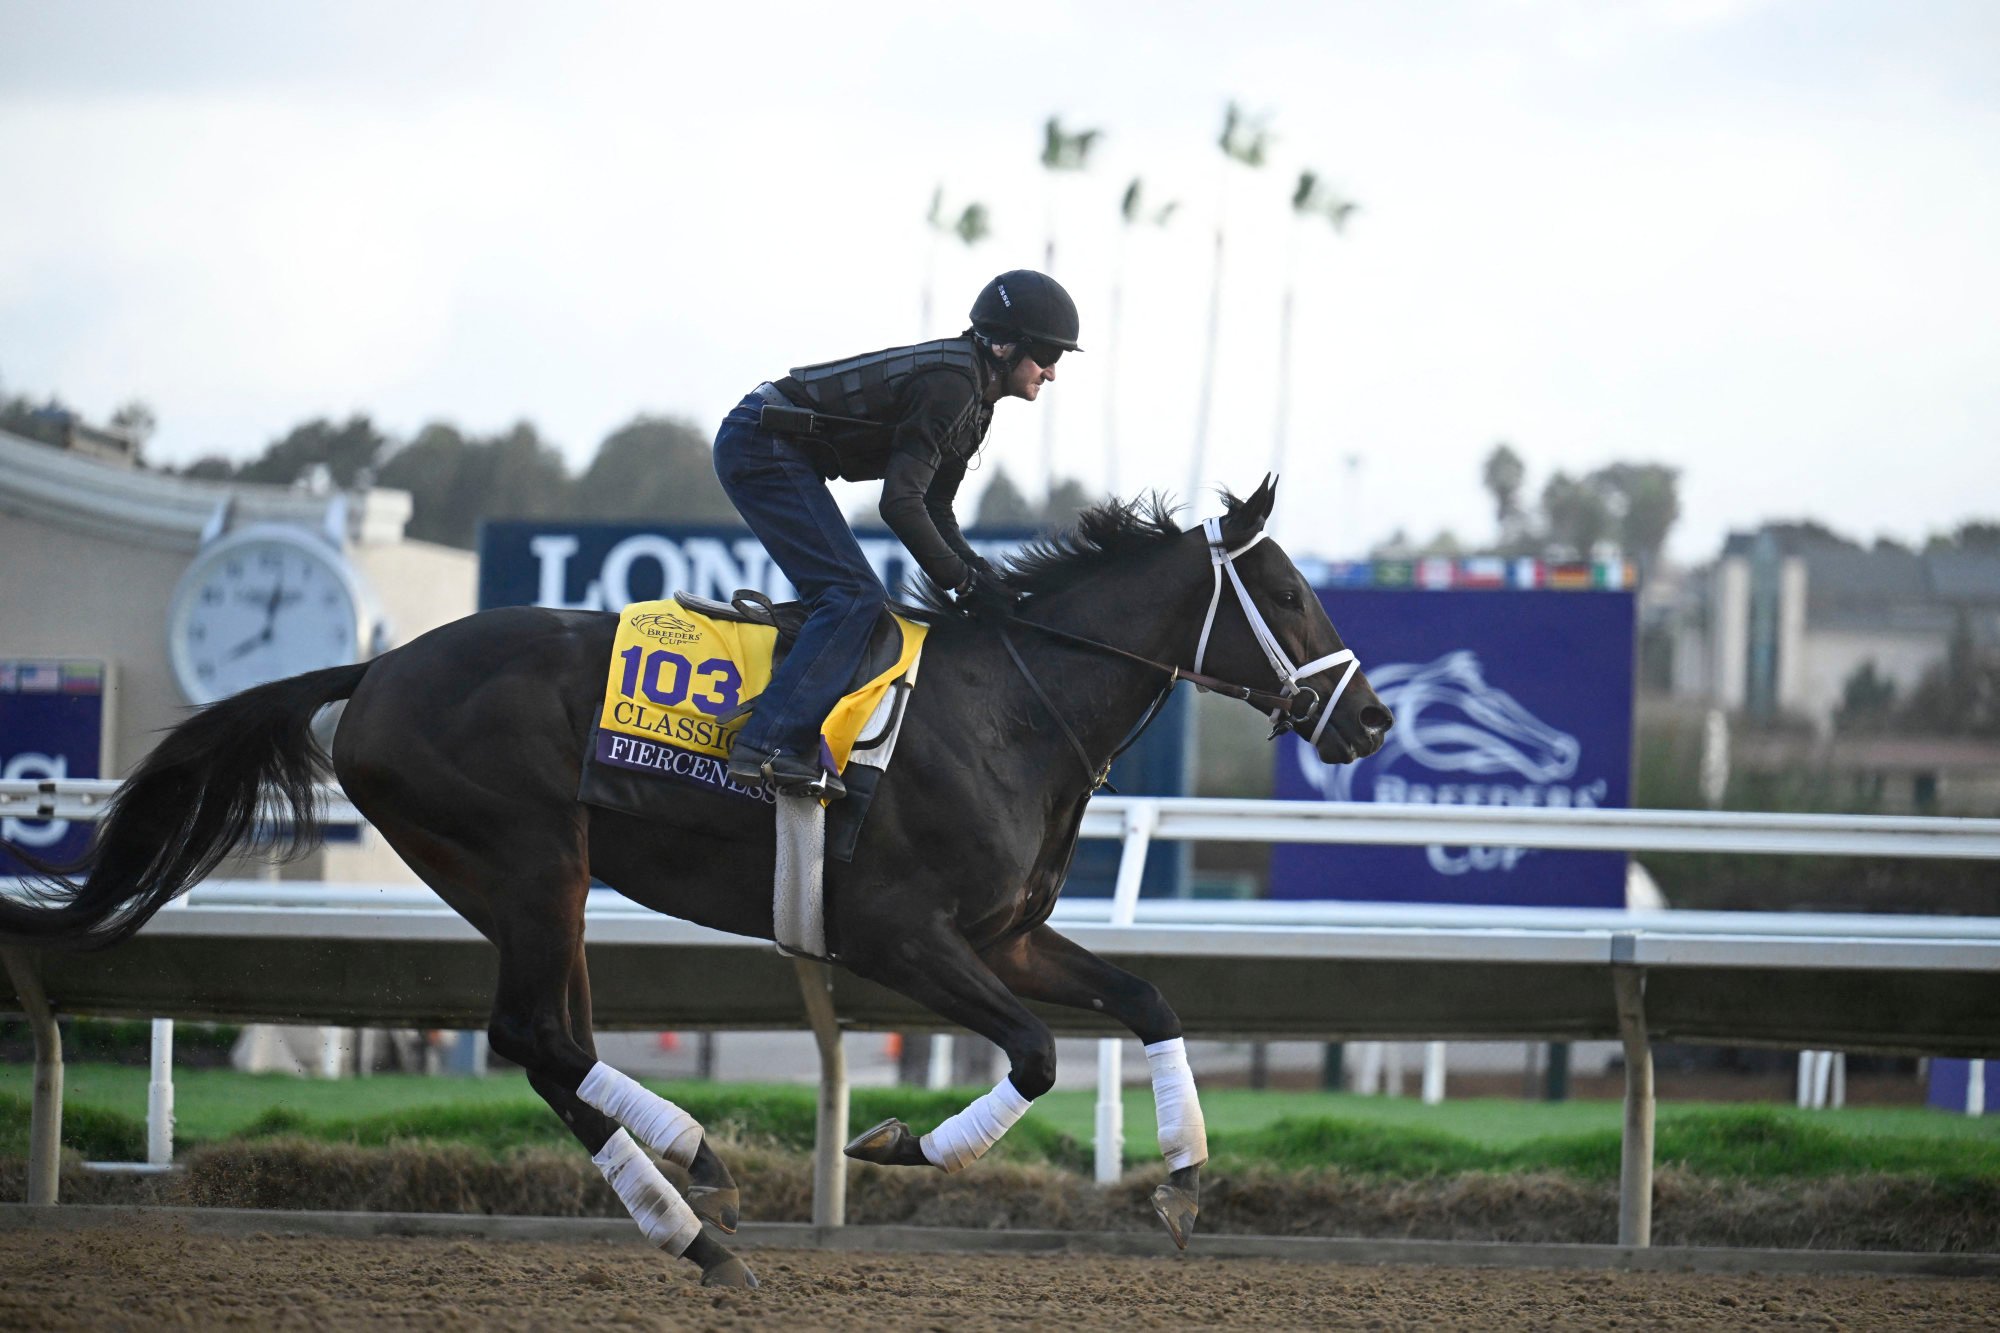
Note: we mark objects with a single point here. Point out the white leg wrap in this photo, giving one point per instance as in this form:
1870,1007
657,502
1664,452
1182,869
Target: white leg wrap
1183,1135
660,1125
655,1205
964,1139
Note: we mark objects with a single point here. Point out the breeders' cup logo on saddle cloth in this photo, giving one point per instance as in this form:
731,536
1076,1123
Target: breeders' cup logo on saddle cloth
666,627
1459,740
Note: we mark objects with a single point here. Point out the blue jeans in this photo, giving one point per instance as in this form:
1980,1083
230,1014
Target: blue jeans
787,505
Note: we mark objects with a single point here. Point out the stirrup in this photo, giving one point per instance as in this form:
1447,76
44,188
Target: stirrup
824,786
791,775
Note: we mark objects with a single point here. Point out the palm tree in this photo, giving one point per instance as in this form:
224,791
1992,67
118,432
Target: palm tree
1062,152
1134,211
970,226
1246,141
1310,198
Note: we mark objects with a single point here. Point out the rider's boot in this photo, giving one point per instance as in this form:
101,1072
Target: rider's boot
791,774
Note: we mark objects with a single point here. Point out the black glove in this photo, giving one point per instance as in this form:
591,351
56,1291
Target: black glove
985,592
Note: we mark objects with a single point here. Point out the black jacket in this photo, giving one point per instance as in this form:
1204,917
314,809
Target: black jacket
927,405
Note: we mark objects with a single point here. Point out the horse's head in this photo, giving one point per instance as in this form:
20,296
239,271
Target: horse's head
1265,628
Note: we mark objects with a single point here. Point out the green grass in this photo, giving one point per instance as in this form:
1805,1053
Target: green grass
105,1118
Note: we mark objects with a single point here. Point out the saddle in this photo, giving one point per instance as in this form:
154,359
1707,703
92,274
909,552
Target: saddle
747,606
683,676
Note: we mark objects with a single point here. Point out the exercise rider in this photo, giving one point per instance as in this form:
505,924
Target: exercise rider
912,417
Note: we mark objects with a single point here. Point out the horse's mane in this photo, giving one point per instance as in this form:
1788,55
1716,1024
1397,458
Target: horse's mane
1102,534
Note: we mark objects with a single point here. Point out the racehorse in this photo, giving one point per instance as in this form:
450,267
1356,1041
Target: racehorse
463,749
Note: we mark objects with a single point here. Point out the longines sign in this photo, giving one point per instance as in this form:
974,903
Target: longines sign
603,566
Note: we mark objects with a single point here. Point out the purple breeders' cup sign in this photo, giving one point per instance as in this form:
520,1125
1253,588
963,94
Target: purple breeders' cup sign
1501,698
51,729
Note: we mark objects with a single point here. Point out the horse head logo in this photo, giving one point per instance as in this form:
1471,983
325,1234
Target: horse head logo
1449,720
666,627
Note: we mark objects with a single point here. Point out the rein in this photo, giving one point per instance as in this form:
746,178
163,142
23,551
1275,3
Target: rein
1291,706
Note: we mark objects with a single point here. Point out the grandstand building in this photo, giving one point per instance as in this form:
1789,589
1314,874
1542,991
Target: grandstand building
94,550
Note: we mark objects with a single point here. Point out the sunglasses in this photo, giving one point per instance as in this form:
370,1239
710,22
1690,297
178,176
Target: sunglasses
1042,354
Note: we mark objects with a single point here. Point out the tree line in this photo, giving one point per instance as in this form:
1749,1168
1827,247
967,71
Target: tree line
653,468
1627,507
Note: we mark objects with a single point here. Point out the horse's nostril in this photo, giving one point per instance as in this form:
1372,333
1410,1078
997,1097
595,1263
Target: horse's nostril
1376,718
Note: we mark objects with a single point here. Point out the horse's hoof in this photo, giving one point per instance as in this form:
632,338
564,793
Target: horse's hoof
716,1205
731,1272
889,1144
1177,1208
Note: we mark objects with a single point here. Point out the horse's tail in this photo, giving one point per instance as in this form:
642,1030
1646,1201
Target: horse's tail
196,797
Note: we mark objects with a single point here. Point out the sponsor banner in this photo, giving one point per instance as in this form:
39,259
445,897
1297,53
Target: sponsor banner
607,566
1501,698
52,728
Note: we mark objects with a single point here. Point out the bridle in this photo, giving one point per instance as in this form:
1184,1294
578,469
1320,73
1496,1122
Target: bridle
1291,706
1223,560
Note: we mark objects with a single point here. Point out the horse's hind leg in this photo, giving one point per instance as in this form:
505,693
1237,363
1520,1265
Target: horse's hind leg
531,1026
712,1191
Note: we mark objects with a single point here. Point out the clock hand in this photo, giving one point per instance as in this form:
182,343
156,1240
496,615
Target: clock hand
249,645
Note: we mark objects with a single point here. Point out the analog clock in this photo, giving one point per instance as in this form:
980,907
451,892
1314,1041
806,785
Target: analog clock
262,603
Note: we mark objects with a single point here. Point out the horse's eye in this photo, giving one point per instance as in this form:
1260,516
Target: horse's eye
1289,598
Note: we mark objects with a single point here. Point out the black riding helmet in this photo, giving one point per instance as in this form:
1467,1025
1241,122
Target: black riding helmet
1025,306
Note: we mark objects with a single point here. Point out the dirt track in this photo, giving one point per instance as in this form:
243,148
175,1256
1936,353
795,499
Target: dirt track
155,1275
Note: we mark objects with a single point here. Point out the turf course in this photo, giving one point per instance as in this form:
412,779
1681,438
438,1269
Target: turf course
1396,1138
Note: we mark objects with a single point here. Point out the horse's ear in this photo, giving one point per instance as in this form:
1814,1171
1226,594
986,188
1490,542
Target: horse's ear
1246,518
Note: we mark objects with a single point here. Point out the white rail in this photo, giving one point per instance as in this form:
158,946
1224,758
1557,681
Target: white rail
1627,943
1205,819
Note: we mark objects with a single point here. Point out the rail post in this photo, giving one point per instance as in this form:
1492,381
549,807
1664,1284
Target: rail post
830,1127
1635,1168
1109,1159
45,1119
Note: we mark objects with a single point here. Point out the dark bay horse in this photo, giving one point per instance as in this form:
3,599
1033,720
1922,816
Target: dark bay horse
463,749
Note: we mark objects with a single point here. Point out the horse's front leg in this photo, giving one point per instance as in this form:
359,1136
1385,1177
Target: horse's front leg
940,971
1042,965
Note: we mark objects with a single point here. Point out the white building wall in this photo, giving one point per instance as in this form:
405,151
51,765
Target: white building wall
1729,631
1831,656
65,593
1794,649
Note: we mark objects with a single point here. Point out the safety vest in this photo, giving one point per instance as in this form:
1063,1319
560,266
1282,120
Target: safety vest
870,388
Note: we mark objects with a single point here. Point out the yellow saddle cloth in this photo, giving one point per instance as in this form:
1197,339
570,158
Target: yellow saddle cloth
675,674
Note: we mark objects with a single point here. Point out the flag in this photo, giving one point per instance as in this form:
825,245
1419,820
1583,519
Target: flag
1482,571
1572,574
1395,573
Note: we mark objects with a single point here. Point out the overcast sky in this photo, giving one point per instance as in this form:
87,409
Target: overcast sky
1753,240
